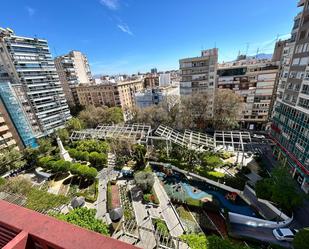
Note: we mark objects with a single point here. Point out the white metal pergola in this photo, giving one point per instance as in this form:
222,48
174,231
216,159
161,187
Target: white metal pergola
137,133
232,140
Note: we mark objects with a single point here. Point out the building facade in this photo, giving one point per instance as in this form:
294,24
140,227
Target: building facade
164,79
73,69
151,81
110,94
198,76
8,135
290,120
254,80
98,95
16,119
149,97
32,74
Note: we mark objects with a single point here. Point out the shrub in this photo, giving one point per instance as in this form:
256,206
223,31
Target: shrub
97,160
301,240
43,161
144,180
85,218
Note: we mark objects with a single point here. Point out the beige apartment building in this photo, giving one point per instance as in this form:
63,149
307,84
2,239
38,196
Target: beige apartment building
110,94
254,80
73,69
98,95
8,135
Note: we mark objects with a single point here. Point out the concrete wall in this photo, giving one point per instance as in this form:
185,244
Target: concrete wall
255,222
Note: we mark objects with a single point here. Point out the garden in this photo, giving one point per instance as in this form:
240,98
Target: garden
36,199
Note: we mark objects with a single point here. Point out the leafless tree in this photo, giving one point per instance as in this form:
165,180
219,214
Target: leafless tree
228,107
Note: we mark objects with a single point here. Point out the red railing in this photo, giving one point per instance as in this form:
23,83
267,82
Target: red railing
24,229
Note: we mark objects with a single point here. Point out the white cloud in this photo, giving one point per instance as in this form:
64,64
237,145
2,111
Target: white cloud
111,4
30,11
125,28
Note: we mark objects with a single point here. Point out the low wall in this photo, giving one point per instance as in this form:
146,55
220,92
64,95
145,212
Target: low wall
256,222
270,205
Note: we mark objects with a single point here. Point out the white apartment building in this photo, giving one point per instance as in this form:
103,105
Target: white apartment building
254,80
32,73
73,69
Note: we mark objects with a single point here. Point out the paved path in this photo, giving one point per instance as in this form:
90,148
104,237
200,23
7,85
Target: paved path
169,214
104,176
143,218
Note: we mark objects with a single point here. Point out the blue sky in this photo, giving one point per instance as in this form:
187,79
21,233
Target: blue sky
127,36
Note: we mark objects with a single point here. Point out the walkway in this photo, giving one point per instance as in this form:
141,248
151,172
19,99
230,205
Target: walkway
168,212
147,238
104,176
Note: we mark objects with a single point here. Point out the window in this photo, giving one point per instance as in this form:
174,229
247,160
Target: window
304,61
305,89
303,103
296,61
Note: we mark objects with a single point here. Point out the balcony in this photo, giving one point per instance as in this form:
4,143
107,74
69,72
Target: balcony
4,128
25,229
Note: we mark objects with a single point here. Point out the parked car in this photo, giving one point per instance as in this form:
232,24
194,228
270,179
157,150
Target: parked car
285,234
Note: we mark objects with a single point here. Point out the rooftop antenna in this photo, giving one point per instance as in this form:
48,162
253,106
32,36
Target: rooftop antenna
247,48
55,51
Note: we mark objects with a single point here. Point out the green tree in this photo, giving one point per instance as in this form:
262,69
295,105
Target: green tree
211,161
11,159
43,161
97,160
31,155
301,240
74,124
281,189
91,173
85,218
139,153
195,241
45,145
63,134
114,115
92,145
144,180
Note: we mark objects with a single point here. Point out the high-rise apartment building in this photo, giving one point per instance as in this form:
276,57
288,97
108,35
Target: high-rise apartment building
290,121
198,75
32,74
254,80
73,69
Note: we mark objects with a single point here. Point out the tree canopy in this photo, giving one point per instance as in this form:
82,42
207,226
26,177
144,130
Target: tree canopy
280,188
11,159
93,116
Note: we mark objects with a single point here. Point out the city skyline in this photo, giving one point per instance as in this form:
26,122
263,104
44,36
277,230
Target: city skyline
127,37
